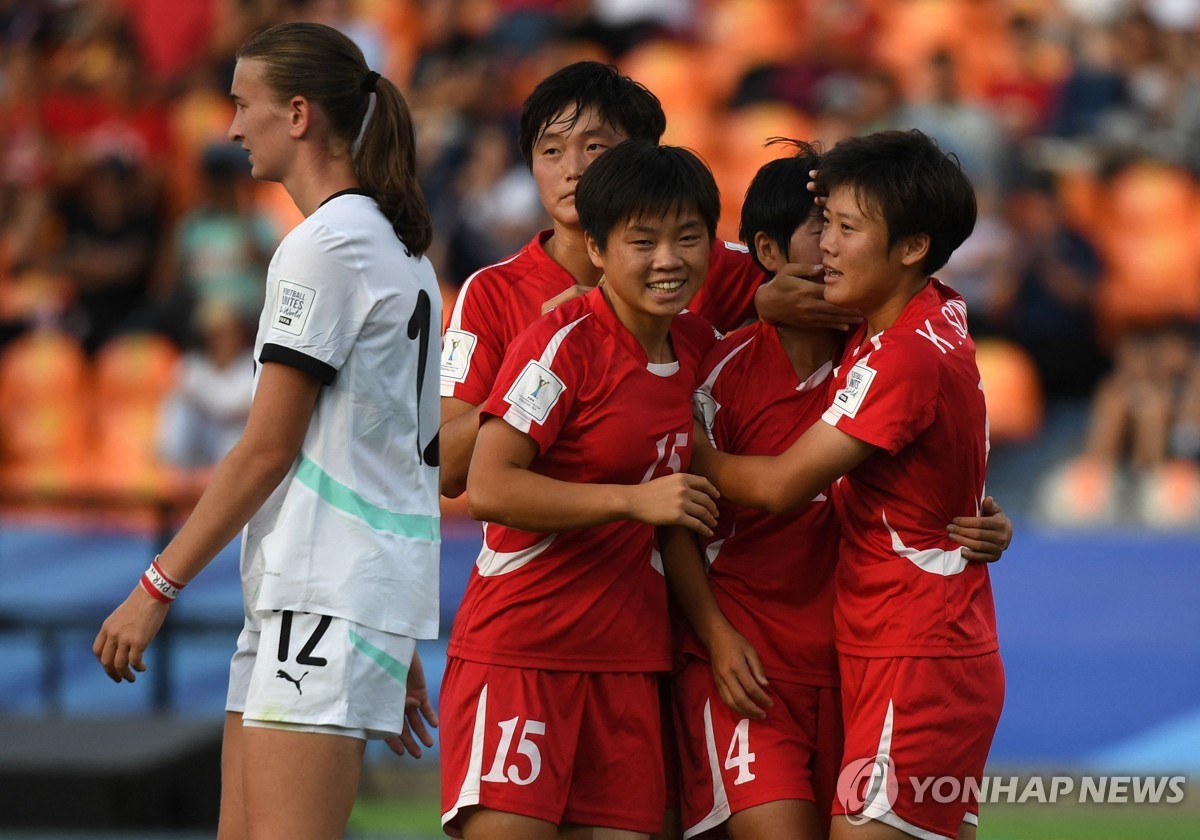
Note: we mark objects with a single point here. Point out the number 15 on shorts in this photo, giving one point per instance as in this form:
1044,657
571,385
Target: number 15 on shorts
519,763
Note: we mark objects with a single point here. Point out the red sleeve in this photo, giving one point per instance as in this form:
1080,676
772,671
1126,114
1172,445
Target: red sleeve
727,298
538,381
473,347
888,397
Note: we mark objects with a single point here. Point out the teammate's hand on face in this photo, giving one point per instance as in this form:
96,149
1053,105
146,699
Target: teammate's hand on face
678,499
125,635
796,296
563,297
738,674
983,538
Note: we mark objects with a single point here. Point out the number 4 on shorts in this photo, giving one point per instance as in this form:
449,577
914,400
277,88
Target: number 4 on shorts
739,755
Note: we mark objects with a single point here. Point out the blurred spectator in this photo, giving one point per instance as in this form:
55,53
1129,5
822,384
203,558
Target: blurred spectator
1050,307
219,250
1093,89
496,206
982,269
1185,434
962,127
107,108
344,16
109,248
24,164
1132,464
204,415
1135,407
169,36
1025,91
98,104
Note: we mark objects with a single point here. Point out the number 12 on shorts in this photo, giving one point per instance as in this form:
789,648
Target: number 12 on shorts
305,656
502,770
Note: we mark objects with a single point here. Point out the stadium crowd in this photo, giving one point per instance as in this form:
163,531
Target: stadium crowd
124,209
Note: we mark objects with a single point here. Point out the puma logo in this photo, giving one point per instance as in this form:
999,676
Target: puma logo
284,675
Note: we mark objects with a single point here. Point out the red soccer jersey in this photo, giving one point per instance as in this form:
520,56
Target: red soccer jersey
771,575
494,305
726,300
499,301
913,390
591,599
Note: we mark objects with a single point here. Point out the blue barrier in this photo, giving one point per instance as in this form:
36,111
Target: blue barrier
1099,632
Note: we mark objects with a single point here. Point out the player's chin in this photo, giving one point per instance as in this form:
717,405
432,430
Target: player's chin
666,309
566,214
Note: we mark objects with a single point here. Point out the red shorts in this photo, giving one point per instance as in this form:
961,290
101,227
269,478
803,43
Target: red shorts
561,746
730,763
670,740
918,731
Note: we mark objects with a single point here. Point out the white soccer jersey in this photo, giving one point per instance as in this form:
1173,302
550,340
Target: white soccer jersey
353,531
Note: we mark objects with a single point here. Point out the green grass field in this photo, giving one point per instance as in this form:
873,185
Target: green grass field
404,806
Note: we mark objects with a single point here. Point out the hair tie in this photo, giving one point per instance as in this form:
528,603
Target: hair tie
368,82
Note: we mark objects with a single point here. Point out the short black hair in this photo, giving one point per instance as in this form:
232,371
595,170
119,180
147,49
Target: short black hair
620,102
915,187
639,179
778,199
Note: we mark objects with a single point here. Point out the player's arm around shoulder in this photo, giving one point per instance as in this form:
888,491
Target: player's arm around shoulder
782,483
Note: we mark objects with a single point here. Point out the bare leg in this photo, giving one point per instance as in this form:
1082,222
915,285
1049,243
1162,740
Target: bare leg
232,825
672,829
843,829
486,824
1108,426
793,818
299,784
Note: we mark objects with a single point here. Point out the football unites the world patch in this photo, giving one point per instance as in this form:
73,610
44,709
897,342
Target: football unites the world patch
293,305
849,399
457,349
535,392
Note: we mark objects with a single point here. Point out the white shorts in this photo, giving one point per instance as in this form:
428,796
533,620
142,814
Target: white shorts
315,673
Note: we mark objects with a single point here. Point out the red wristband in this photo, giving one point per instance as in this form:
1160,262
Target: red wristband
162,588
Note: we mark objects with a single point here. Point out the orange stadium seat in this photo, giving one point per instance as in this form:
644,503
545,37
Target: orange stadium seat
679,76
742,34
1015,403
133,375
1148,234
744,134
43,414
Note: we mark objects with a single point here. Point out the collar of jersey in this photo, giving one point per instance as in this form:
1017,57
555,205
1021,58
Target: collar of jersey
340,193
933,293
537,248
605,315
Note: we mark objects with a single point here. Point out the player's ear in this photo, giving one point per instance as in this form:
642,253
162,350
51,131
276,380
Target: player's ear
914,249
768,253
298,115
594,252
